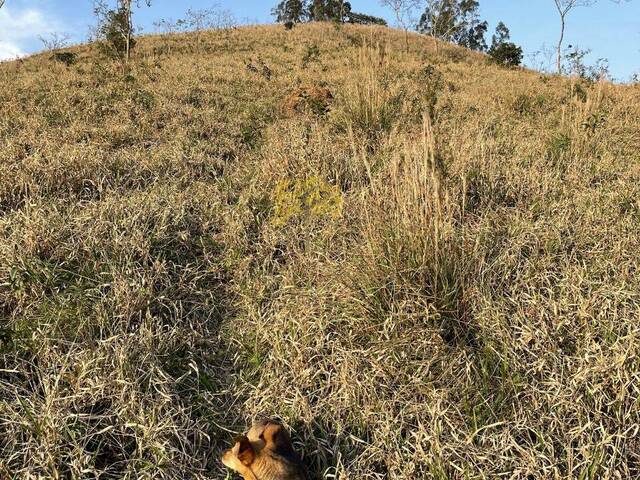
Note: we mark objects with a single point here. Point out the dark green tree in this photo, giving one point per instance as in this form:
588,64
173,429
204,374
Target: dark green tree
364,19
293,11
329,10
316,10
454,21
115,26
502,35
503,51
474,37
116,32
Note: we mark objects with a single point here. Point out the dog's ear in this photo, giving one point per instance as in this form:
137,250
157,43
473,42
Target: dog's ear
277,438
244,450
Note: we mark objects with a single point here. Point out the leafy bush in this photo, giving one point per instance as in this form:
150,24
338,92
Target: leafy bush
68,58
558,146
526,104
144,99
312,54
434,84
454,55
507,54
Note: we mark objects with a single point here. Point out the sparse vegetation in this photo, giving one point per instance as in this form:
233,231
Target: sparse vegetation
54,40
576,65
427,268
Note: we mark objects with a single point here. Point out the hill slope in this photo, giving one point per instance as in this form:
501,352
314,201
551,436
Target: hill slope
425,264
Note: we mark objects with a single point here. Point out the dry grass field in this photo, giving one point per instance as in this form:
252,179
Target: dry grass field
426,265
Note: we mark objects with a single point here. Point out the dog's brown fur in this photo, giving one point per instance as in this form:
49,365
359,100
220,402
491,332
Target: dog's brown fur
265,453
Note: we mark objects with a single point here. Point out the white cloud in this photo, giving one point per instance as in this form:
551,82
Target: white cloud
10,51
19,30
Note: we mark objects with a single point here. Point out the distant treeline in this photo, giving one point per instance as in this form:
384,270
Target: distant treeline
291,12
454,21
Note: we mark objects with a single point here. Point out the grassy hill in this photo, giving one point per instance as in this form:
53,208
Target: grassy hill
427,265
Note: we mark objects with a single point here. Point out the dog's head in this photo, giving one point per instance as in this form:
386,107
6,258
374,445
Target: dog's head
241,456
265,452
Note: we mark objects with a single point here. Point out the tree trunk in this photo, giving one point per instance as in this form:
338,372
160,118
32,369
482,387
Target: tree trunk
128,46
559,50
129,29
126,4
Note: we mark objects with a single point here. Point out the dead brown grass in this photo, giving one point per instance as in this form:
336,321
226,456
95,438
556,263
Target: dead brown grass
469,311
308,99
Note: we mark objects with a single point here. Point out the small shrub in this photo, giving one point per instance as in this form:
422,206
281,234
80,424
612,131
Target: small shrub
144,99
251,128
507,54
455,55
558,146
578,91
68,58
434,83
354,40
311,54
250,135
195,97
308,199
525,104
576,65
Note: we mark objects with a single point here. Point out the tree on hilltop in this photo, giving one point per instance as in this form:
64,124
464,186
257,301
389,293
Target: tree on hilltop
565,7
403,11
364,19
290,11
329,10
455,21
503,51
115,26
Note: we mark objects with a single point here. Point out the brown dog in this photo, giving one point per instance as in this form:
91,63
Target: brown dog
265,453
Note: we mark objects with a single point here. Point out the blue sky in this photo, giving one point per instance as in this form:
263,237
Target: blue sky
612,31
